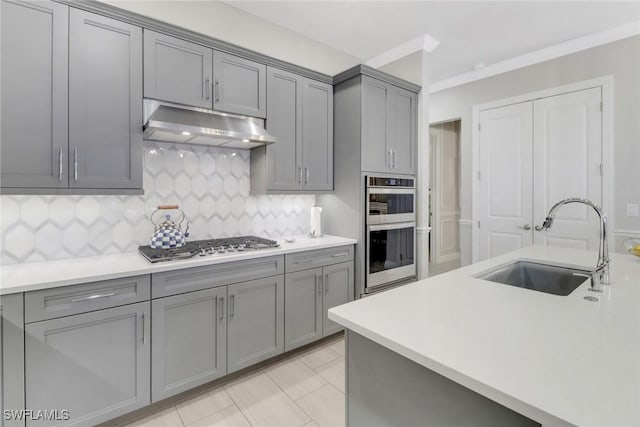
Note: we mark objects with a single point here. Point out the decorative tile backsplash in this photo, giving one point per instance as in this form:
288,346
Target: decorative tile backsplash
210,184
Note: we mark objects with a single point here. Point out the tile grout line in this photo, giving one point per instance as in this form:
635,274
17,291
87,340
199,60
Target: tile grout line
236,403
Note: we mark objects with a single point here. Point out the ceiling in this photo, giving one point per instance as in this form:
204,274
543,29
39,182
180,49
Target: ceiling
469,32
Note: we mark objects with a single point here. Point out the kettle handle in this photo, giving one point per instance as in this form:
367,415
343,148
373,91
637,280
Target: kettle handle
168,207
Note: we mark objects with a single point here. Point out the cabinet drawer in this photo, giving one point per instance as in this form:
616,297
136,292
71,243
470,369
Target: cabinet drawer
317,258
68,300
195,279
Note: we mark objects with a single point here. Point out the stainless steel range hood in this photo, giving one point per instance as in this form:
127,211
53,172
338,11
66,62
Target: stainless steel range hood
171,123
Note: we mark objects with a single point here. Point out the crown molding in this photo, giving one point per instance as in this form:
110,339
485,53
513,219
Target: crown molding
566,48
376,74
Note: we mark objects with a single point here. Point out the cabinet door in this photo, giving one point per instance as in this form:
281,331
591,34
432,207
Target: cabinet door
105,102
240,85
34,94
256,321
176,70
189,338
317,138
97,363
403,129
284,121
376,155
338,289
302,307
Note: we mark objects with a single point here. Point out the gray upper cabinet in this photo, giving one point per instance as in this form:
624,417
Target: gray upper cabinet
240,85
95,365
71,100
389,117
300,115
189,338
105,102
177,71
317,139
284,120
35,76
303,307
255,329
376,154
403,117
338,289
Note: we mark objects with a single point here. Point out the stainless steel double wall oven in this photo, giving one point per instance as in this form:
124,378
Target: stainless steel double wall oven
390,231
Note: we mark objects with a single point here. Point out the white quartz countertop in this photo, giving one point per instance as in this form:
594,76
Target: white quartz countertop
560,360
49,274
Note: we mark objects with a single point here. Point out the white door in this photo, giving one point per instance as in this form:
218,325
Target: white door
506,187
567,158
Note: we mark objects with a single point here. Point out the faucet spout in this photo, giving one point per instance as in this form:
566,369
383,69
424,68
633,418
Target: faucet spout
600,275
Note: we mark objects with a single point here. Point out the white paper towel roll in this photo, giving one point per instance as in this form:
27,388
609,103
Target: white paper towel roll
315,222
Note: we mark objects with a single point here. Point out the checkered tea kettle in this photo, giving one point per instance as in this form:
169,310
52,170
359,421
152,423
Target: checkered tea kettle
168,234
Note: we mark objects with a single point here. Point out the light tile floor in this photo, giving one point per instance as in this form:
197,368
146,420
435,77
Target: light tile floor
304,390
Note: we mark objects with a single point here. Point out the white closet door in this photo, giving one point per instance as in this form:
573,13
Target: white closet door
506,136
566,163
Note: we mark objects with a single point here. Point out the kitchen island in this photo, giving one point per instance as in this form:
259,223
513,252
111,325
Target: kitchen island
457,350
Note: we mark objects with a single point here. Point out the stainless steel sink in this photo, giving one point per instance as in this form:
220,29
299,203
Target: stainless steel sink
538,277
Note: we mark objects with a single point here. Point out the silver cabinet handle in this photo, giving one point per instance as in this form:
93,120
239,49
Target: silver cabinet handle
302,261
341,254
93,297
60,164
75,164
206,88
306,175
221,308
394,156
144,329
526,227
232,308
326,284
300,175
539,228
217,91
387,159
318,284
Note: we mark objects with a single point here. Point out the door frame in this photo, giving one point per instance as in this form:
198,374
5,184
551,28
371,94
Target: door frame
606,84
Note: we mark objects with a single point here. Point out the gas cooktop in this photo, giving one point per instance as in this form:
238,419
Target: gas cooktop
207,247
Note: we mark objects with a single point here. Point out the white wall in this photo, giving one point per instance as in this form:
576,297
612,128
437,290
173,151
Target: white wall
225,22
620,59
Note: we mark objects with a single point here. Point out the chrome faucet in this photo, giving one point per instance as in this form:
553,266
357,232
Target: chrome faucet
599,276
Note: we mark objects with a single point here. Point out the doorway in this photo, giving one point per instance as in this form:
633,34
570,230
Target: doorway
444,197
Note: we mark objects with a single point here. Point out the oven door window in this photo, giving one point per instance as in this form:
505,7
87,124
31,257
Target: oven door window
390,204
389,249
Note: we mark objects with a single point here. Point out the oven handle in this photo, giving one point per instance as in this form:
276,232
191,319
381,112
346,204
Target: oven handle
394,226
378,190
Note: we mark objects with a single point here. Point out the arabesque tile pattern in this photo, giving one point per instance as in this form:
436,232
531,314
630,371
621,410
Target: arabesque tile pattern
210,184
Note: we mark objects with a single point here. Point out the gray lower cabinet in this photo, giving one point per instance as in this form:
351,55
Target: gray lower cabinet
240,85
35,77
189,338
300,115
95,365
177,70
105,102
303,297
338,289
255,329
389,120
308,296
